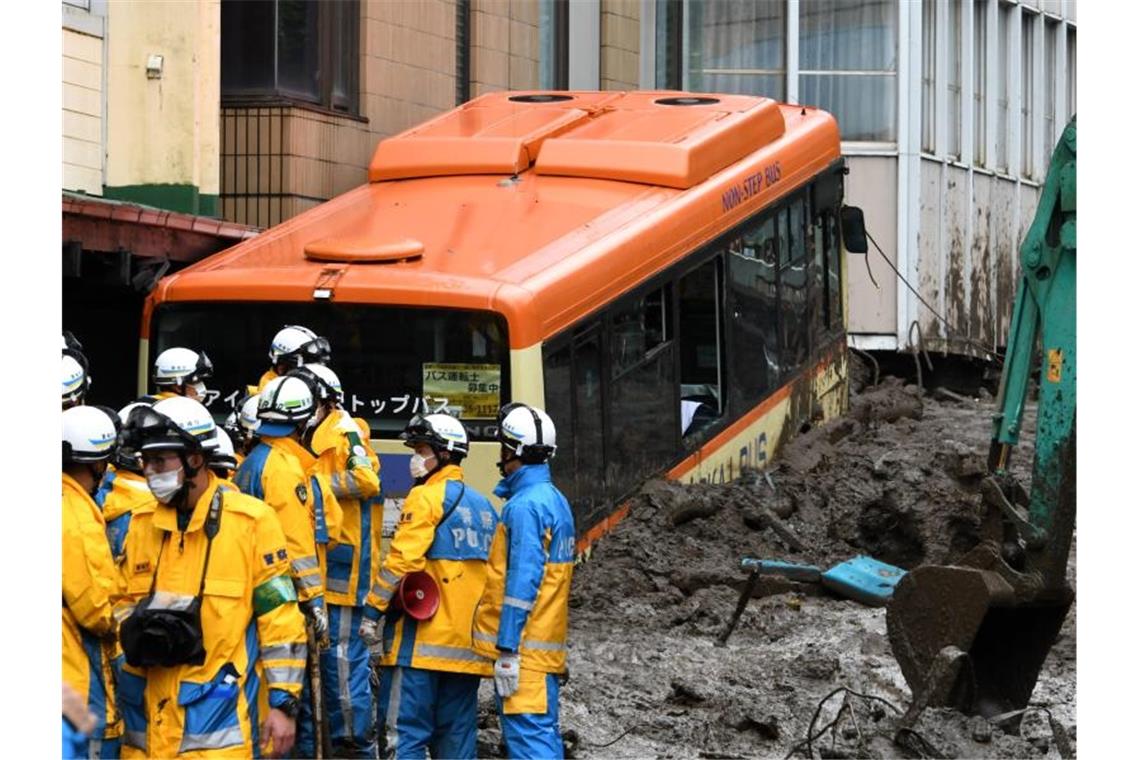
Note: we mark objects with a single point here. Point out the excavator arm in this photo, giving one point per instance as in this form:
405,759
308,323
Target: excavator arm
975,635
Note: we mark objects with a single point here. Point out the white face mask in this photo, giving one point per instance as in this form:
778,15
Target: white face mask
165,485
418,465
200,389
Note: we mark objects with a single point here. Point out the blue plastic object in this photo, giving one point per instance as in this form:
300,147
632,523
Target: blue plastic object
865,580
790,570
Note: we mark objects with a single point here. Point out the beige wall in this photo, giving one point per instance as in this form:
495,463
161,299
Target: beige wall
620,43
82,112
872,185
504,46
163,131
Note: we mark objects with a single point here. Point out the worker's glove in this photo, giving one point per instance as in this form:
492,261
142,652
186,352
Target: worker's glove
318,618
370,632
507,674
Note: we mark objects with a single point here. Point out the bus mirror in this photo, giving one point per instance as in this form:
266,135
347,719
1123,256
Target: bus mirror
854,233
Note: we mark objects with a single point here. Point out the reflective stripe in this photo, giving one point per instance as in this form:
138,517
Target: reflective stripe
225,737
385,594
390,578
123,612
545,646
480,636
338,585
304,563
448,653
344,694
293,651
165,600
284,674
308,581
136,739
511,601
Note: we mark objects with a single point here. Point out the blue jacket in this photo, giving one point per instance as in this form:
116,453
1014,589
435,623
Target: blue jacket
526,605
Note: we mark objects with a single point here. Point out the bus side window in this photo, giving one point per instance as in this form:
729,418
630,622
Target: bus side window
834,282
702,376
817,294
556,369
793,285
755,357
588,420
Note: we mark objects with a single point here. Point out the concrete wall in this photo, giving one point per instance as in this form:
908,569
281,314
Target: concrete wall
162,133
83,111
504,46
620,44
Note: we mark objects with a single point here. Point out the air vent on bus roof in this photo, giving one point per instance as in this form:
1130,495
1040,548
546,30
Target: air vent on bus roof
364,250
687,101
540,98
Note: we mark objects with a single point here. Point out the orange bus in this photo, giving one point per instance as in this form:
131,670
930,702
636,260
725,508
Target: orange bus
661,271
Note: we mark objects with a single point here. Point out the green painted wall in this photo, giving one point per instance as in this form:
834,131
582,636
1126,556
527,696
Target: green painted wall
184,198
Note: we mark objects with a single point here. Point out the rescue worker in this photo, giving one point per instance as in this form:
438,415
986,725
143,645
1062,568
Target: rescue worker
213,640
429,685
241,426
223,460
76,381
294,346
182,372
123,489
347,460
522,619
90,579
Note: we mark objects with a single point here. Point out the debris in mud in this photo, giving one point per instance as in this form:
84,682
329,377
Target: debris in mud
897,479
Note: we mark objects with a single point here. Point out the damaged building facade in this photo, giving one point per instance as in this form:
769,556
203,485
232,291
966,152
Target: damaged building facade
225,117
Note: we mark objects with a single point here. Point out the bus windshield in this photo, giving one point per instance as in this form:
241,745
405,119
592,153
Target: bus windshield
393,361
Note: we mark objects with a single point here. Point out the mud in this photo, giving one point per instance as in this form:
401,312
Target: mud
896,479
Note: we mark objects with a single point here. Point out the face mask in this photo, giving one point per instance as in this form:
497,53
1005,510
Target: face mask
165,485
418,466
200,390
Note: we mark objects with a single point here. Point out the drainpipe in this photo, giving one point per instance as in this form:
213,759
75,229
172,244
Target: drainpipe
462,51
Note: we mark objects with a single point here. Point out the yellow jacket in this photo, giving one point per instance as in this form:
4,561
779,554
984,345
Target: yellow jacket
272,472
90,587
253,632
266,377
453,551
121,493
324,508
525,608
347,461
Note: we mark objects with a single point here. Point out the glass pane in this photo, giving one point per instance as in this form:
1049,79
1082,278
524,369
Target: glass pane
1028,82
980,82
298,48
755,359
865,105
954,79
432,358
1001,158
1050,89
559,405
737,47
834,286
1071,74
928,64
848,35
701,399
589,454
345,41
643,422
247,47
794,317
637,328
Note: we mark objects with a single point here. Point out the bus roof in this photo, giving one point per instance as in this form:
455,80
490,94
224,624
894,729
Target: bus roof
540,206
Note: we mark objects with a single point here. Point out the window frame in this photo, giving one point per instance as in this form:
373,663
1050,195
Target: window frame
330,44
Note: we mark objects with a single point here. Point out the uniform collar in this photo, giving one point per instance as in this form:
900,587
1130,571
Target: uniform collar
527,475
166,516
447,472
73,484
291,446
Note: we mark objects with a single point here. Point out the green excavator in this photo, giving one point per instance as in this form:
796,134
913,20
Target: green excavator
975,635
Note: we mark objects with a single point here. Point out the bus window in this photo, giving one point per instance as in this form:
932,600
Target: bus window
834,285
755,359
392,361
589,458
793,285
556,379
701,381
817,265
643,412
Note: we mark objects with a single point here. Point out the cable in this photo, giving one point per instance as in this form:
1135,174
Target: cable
986,350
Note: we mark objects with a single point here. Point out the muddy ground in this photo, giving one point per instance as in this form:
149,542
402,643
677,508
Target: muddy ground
896,479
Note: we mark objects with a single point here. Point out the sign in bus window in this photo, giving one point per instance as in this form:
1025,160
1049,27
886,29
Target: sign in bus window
467,391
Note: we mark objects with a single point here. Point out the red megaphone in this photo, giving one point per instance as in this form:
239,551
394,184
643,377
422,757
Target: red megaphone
417,595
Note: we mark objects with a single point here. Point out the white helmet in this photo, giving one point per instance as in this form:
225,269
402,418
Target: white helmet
181,366
284,403
174,423
223,457
247,415
89,435
528,432
297,346
323,380
76,381
440,431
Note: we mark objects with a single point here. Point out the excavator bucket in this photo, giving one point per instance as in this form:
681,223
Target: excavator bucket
966,638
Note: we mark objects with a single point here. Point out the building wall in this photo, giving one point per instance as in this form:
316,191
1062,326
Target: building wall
83,98
620,38
872,298
162,133
504,46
